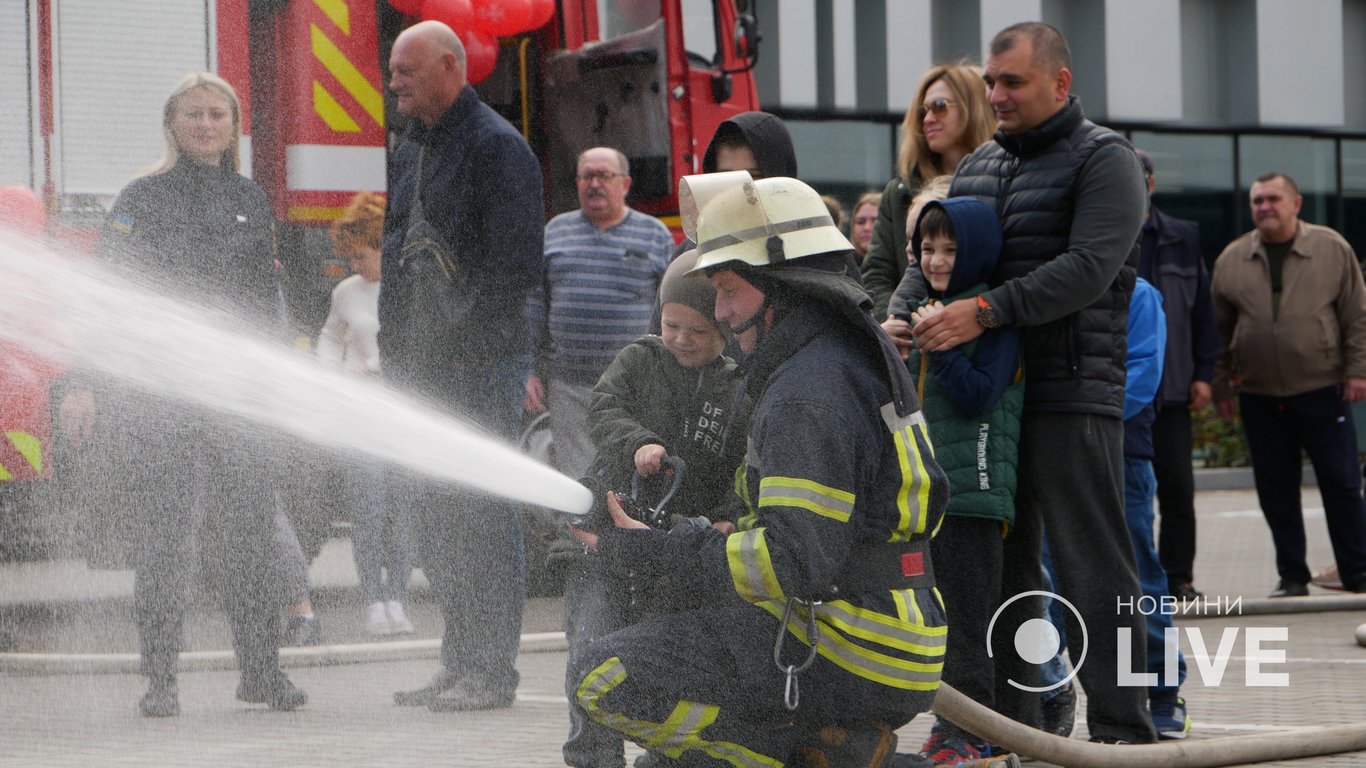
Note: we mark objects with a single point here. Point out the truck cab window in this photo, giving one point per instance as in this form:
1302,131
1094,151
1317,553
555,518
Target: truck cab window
619,17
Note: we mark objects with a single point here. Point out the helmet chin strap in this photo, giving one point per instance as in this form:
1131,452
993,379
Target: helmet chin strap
755,320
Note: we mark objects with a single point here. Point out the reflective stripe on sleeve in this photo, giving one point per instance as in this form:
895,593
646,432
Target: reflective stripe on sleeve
806,494
751,570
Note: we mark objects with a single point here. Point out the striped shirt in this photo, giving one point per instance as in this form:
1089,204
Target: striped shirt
598,294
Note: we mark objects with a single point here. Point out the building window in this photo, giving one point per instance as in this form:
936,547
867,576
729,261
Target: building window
1311,162
1354,195
1196,181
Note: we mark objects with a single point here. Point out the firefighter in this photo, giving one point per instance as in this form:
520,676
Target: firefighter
820,631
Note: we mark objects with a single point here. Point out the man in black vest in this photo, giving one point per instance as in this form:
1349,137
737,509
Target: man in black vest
1071,201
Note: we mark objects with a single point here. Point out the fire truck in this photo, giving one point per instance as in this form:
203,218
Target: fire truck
84,81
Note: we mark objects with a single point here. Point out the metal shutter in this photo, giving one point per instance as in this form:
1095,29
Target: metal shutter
18,118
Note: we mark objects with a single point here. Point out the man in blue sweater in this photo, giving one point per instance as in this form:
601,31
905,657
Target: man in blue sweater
603,264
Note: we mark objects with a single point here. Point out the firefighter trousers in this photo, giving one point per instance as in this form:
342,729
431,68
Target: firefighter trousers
701,687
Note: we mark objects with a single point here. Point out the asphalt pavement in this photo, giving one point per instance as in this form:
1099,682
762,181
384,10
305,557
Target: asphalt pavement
68,696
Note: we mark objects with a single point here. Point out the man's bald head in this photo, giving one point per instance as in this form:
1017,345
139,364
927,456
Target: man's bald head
427,70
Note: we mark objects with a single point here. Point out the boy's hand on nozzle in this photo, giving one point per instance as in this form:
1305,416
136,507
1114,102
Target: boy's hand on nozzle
619,519
649,458
534,400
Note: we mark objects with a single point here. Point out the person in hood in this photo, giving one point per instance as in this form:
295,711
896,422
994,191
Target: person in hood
973,396
755,142
831,559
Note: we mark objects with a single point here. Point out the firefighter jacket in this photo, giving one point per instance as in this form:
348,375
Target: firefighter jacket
835,469
699,415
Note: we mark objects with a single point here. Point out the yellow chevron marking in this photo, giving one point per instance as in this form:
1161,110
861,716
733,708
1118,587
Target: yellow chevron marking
331,57
331,112
338,11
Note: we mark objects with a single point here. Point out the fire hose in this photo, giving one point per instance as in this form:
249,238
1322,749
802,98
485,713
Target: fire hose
1205,753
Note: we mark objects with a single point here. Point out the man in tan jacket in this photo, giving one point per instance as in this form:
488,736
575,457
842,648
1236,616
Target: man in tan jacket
1291,307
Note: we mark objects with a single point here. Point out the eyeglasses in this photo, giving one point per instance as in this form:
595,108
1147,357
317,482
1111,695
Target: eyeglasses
602,176
938,106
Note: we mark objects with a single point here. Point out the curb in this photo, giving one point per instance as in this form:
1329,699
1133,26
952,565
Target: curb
1267,606
44,664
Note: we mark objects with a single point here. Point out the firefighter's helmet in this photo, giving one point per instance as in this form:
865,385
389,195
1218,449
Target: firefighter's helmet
734,218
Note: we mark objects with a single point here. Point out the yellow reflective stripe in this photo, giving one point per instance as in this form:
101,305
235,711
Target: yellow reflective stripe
866,663
679,732
742,485
912,497
5,476
806,494
332,58
338,12
28,446
751,570
332,113
880,628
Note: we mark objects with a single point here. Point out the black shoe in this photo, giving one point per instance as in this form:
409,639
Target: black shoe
1185,591
161,700
420,697
1107,740
1059,714
470,694
278,693
301,631
1287,588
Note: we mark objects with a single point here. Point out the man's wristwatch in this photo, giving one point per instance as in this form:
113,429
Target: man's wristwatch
986,316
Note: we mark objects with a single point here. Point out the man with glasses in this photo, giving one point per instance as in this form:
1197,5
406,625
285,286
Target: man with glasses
603,263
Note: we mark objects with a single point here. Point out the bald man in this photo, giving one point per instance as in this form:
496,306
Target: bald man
465,178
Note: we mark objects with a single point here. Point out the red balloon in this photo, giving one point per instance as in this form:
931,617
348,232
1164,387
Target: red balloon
481,54
456,14
407,7
503,17
21,209
541,13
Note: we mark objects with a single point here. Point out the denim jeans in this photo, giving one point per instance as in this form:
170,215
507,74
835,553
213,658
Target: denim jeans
1140,485
373,551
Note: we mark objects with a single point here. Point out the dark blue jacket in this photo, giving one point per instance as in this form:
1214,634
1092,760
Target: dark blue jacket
481,188
1170,259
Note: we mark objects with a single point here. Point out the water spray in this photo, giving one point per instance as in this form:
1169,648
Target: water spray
172,348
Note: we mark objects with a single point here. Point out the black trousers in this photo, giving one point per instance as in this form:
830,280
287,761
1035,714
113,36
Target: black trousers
1175,493
1072,485
1320,423
211,505
701,687
967,554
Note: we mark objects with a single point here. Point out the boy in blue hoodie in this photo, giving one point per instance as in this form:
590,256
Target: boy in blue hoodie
972,397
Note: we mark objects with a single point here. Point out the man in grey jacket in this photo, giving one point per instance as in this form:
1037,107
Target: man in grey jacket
1291,307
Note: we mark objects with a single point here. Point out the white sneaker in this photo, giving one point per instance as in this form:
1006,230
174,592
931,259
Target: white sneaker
377,623
398,620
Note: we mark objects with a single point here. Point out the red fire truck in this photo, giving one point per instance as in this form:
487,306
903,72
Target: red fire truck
83,82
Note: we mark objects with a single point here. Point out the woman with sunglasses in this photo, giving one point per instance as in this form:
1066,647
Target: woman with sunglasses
948,118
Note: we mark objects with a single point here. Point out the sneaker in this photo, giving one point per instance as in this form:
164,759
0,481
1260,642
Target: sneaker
947,746
303,630
1107,740
1059,714
377,620
398,620
1327,577
161,700
1170,718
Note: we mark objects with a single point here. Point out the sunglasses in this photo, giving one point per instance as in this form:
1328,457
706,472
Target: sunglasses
938,106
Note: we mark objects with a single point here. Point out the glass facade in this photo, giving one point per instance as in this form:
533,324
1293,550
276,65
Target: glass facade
1203,176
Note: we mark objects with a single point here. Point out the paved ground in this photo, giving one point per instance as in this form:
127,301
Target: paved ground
75,706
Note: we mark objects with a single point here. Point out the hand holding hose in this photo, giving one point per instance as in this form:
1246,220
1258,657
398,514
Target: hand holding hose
619,518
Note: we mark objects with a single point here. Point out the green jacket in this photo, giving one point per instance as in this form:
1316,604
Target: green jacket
886,261
646,397
980,455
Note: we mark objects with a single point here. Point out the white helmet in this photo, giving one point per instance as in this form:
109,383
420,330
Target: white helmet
732,217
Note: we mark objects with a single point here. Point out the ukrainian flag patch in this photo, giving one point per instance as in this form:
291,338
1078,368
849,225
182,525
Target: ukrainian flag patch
121,223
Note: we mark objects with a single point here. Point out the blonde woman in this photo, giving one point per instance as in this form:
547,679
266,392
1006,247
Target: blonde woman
203,231
948,118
